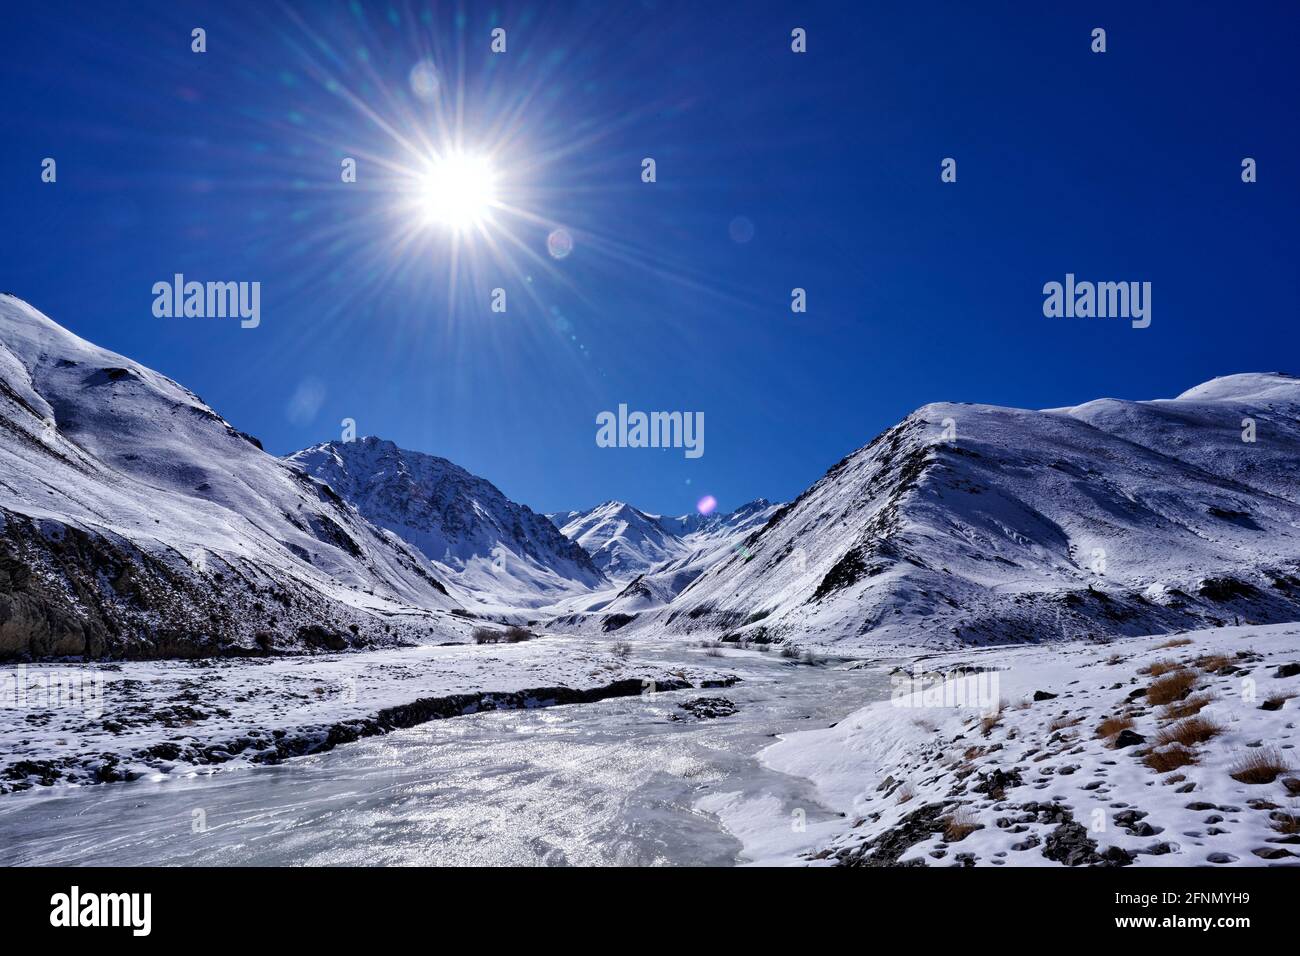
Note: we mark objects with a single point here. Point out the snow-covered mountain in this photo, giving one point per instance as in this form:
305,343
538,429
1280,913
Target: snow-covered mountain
135,521
627,542
463,522
975,523
622,541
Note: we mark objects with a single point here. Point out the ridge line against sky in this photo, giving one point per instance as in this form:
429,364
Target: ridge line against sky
775,171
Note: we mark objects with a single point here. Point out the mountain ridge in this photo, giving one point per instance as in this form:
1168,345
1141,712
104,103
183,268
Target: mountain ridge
455,518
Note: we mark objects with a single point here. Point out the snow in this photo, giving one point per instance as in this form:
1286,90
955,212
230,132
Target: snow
99,444
628,543
121,710
622,540
866,764
479,538
975,524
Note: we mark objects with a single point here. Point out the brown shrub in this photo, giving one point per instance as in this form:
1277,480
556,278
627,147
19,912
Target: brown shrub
961,824
1187,708
1113,725
1162,761
1161,667
1259,765
1176,642
1211,663
1174,685
1193,730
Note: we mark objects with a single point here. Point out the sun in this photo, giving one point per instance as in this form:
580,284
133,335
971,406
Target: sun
458,191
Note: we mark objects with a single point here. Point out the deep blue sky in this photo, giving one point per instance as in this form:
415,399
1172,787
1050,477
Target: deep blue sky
224,166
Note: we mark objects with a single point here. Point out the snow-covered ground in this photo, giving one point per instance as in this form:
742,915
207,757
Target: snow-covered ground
87,723
1025,773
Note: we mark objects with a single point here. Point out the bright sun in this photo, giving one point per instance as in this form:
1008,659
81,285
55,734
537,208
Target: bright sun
458,190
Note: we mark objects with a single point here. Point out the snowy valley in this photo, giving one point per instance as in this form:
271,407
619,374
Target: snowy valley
1121,579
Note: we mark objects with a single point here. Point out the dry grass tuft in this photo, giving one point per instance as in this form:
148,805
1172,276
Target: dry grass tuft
1286,821
1113,725
904,793
1187,708
1161,667
1060,723
1162,761
961,824
1212,663
1259,765
987,724
1176,642
1193,730
1173,686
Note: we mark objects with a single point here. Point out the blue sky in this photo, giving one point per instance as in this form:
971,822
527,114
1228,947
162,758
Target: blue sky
225,166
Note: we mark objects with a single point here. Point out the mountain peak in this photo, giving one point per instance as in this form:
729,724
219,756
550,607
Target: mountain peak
453,517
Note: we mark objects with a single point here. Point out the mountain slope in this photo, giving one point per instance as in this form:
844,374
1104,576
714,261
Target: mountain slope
629,543
454,518
1102,519
138,522
622,541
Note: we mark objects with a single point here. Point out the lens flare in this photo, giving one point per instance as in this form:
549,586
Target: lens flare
424,81
559,243
707,505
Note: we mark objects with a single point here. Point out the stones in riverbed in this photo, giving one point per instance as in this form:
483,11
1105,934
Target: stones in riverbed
707,708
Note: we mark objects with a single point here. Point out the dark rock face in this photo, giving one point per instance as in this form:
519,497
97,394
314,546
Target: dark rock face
886,849
1041,695
315,636
70,593
997,782
1070,844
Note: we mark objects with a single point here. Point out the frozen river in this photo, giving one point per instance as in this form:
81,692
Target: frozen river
616,782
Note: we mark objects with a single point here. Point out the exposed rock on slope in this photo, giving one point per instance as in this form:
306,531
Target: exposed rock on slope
982,524
137,522
464,522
